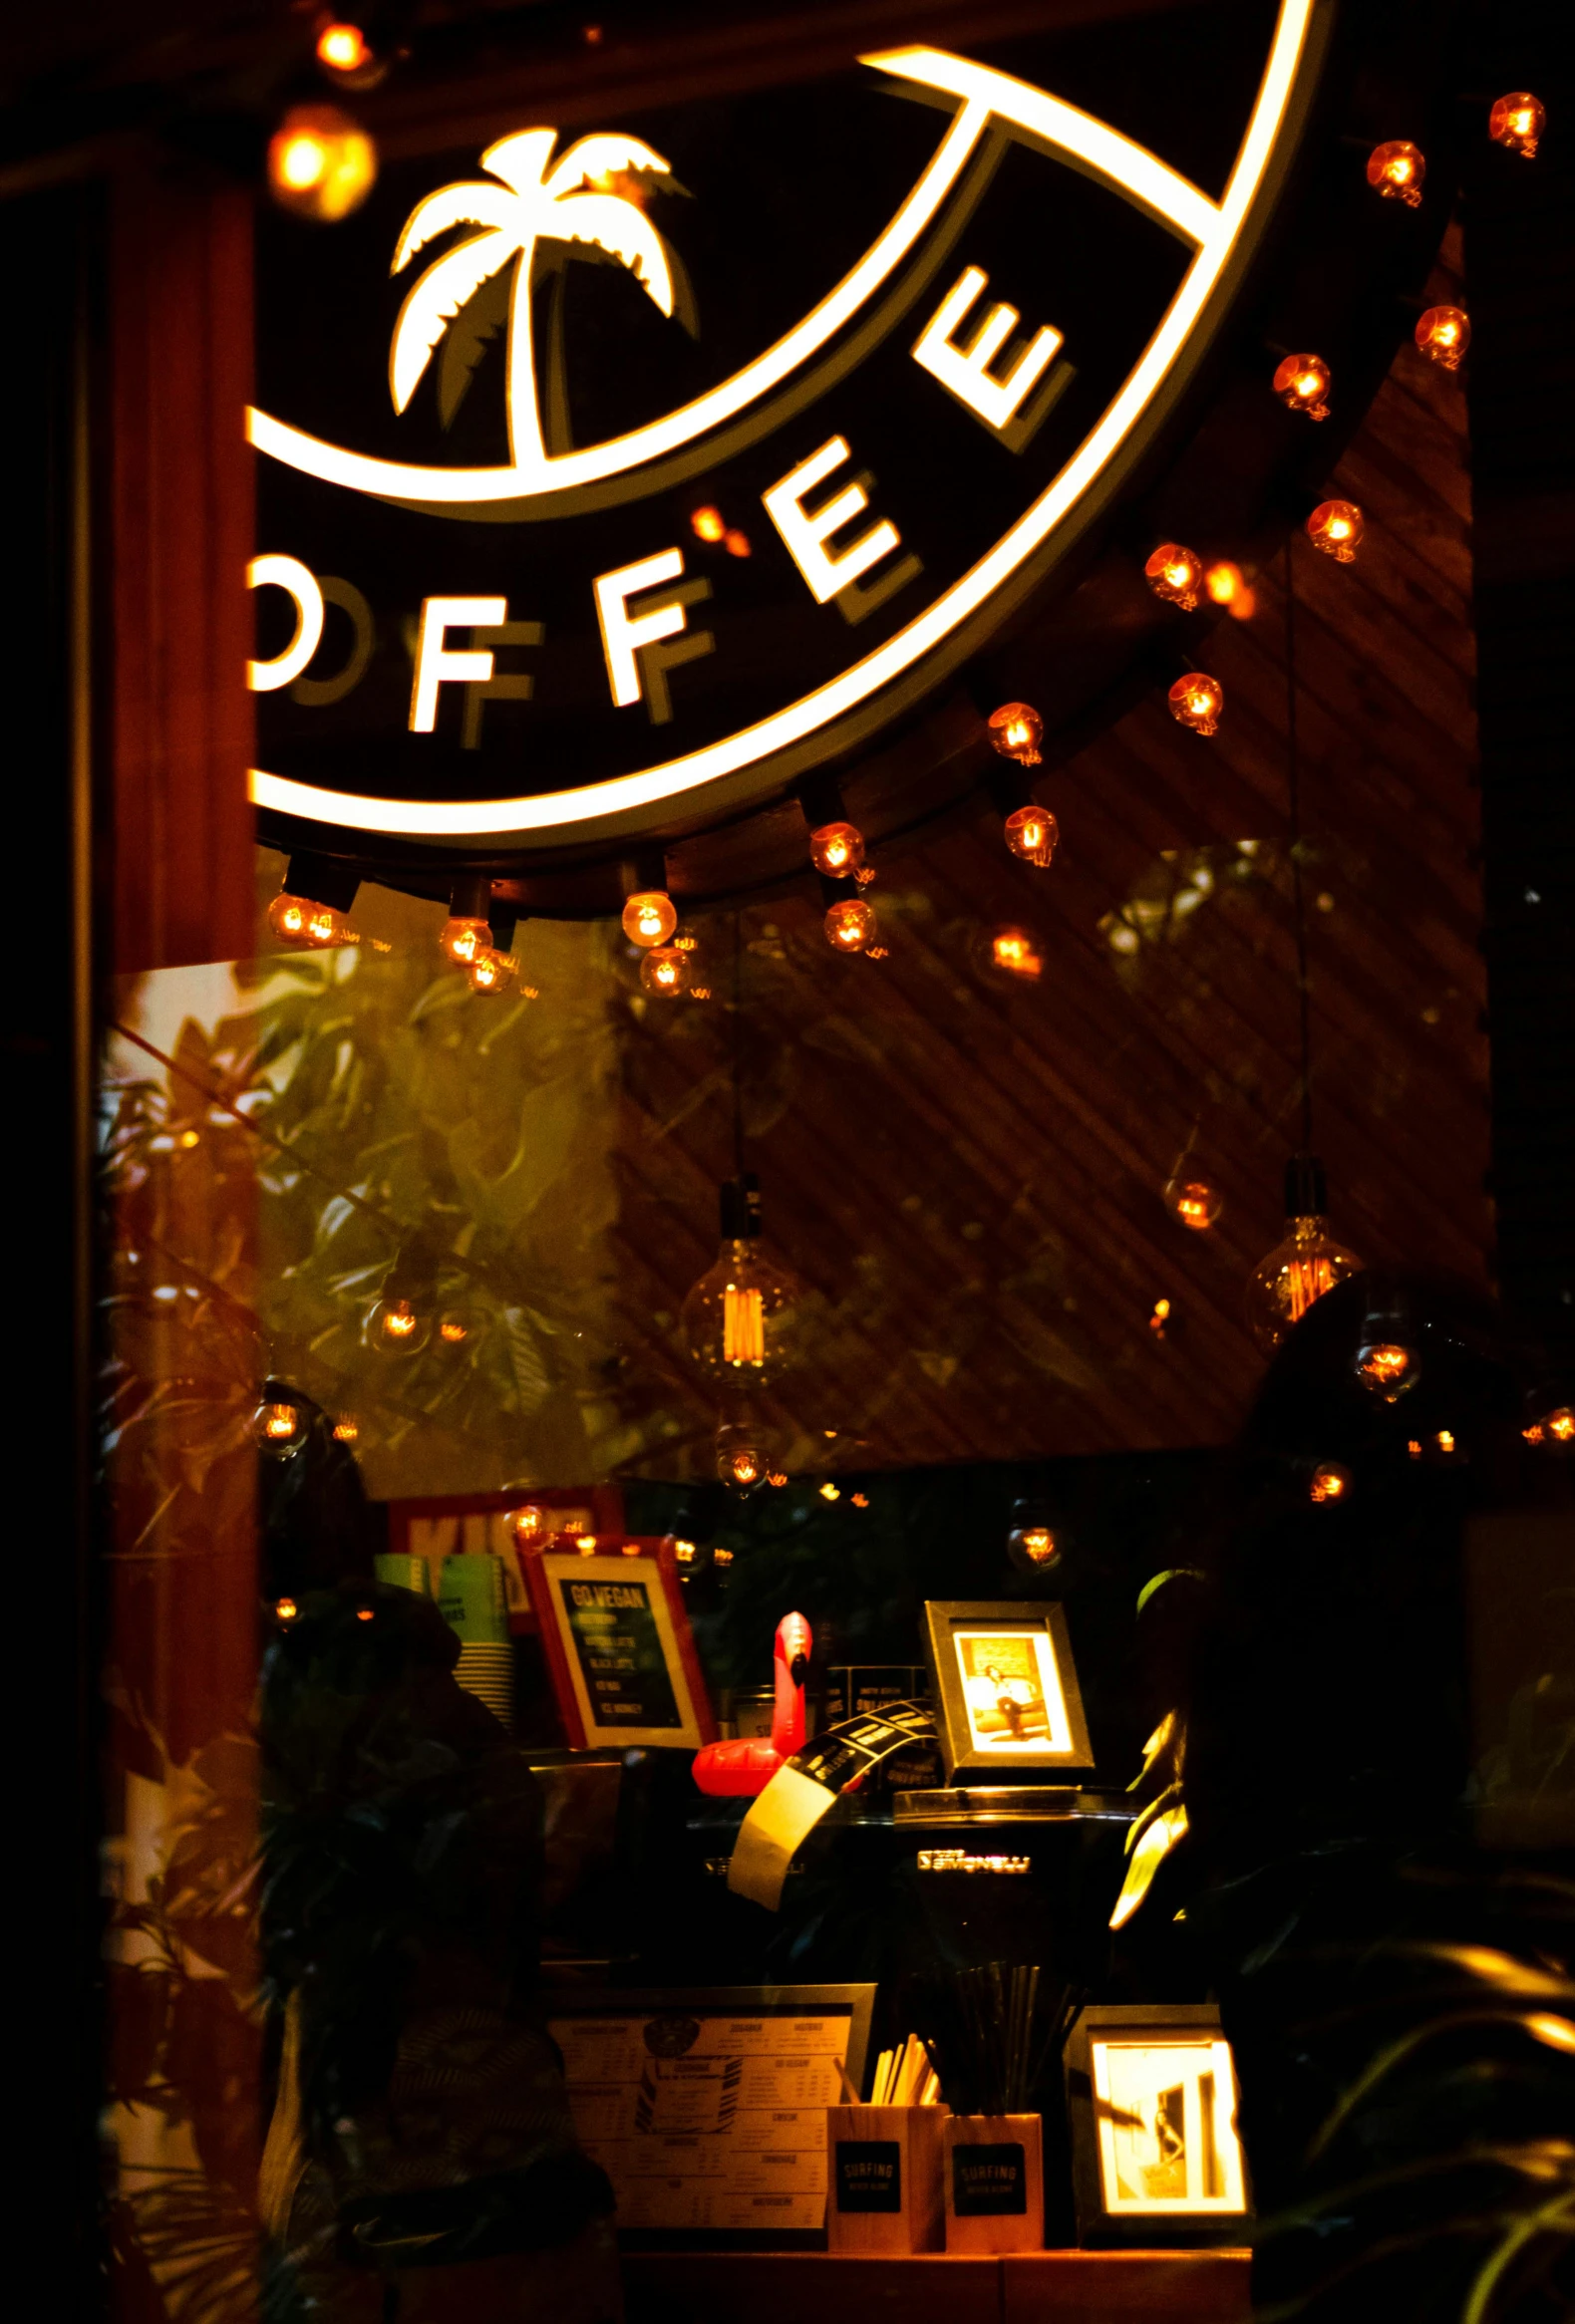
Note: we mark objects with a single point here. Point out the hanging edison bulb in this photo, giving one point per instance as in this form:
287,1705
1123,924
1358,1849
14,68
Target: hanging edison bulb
463,935
281,1427
738,1321
837,850
459,1326
650,917
1305,1266
743,1454
1388,1361
398,1326
530,1524
1397,168
1193,1199
1175,574
1013,953
850,927
321,164
1302,382
1031,833
1032,1543
1330,1482
348,56
297,921
1228,586
1016,731
1444,334
1196,701
1335,526
665,972
492,970
1553,1429
1517,121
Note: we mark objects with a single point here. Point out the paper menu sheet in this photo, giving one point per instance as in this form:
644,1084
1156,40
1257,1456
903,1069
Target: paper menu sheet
711,2120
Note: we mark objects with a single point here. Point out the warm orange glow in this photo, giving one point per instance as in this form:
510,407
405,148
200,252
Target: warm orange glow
1555,1427
737,543
1227,586
1175,574
347,1428
1159,1319
1335,526
743,1465
684,1553
585,1542
1517,122
1194,1202
462,939
837,849
850,925
1387,1368
831,1492
1445,1440
707,524
1037,1543
1196,701
320,163
1031,833
310,927
493,971
1016,731
285,1610
722,1557
859,1500
343,48
281,1423
1330,1482
1398,169
362,1613
451,1329
1413,1447
1302,382
664,972
650,917
528,1523
397,1322
1014,952
742,1325
777,1477
1444,334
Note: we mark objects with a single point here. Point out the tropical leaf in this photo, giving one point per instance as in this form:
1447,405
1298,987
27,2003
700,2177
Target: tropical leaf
1161,1833
596,159
1156,1582
470,335
472,204
434,301
616,225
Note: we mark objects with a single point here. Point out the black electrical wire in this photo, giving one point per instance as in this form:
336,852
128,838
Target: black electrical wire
1293,784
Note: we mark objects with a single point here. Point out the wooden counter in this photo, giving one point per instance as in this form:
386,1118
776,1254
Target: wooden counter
1047,2287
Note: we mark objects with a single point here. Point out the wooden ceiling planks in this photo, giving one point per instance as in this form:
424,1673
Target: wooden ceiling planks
967,1172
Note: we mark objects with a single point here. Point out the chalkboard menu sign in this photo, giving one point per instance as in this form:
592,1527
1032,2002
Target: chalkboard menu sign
619,1642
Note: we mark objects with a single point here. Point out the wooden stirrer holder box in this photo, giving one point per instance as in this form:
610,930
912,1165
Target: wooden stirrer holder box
883,2178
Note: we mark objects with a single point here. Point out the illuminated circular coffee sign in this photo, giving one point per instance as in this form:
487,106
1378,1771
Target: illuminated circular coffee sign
611,481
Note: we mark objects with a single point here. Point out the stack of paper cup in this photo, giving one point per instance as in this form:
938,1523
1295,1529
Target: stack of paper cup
471,1600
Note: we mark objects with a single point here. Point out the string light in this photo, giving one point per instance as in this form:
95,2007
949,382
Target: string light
1196,701
1031,833
1159,1319
837,850
493,971
743,1456
1335,527
1386,1362
530,1524
850,925
396,1326
309,926
665,972
1330,1482
1555,1428
1193,1200
343,48
649,917
1017,732
1444,334
1517,122
1302,382
1033,1542
1175,574
707,524
1014,953
457,1327
1398,169
347,1428
286,1610
1301,1269
1227,586
281,1427
320,163
464,936
737,543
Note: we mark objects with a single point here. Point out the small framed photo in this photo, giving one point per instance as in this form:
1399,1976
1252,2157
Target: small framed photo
1006,1692
619,1649
1155,2157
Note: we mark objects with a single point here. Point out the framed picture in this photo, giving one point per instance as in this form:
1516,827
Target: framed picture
622,1660
1155,2157
707,2109
451,1525
1006,1691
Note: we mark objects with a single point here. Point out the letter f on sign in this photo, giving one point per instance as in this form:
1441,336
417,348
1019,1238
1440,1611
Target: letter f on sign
434,663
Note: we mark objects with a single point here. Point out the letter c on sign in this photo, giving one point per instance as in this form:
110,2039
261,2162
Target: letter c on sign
287,573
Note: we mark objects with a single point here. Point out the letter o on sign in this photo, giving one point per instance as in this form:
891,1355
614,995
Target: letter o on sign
287,573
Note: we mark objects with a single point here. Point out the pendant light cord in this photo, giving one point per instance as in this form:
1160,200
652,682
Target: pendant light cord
738,1045
1293,784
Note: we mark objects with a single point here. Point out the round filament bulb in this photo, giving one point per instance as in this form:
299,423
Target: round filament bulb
1330,1482
343,48
837,850
1444,334
1196,701
461,938
1194,1202
493,971
664,971
1387,1368
1517,121
1397,168
1335,526
1302,382
1015,954
1175,575
295,920
850,927
650,917
1015,731
1031,833
320,163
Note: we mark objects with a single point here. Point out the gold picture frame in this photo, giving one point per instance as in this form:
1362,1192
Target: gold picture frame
1006,1699
1156,2156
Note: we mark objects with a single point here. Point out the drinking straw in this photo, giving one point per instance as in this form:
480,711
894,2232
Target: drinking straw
989,2033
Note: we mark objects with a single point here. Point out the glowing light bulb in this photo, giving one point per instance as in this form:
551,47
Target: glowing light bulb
837,850
831,1492
1387,1368
457,1327
1517,122
1033,1542
286,1610
1196,701
347,1428
1302,382
1227,586
1032,832
1444,334
493,971
1175,574
648,918
462,936
707,524
310,927
1554,1430
850,927
1397,168
1017,732
737,543
343,48
738,1321
743,1456
281,1427
1299,1271
1193,1200
665,972
320,163
1335,526
396,1326
1330,1482
1158,1321
530,1524
1014,953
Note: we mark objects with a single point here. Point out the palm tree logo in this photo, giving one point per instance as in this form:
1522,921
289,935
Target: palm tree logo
574,201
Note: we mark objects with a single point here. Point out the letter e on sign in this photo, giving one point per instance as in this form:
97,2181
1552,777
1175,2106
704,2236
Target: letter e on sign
806,536
965,372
